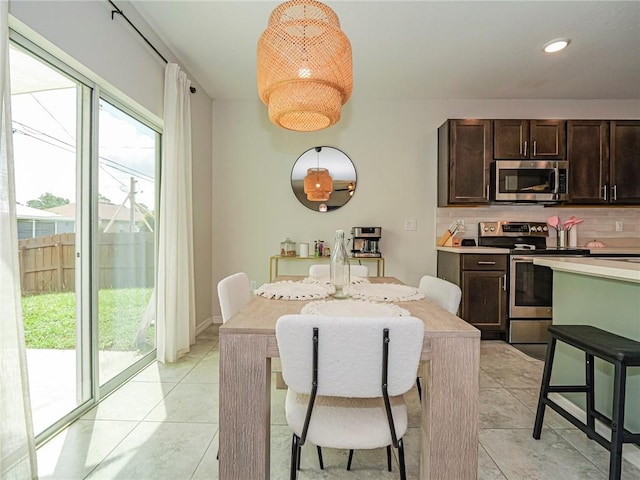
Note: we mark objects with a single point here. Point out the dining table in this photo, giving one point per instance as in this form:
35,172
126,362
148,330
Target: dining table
449,369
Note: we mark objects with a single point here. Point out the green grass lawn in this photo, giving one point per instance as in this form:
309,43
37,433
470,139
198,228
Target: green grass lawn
50,319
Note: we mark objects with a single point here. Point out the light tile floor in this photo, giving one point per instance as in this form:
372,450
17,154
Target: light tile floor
163,424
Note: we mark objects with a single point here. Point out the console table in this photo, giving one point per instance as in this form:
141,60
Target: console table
275,259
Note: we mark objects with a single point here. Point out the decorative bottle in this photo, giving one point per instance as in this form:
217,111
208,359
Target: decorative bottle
339,267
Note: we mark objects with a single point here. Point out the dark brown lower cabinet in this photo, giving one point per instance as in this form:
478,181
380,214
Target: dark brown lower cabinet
483,280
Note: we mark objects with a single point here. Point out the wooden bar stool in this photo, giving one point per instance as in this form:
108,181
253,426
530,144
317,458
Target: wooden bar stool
622,353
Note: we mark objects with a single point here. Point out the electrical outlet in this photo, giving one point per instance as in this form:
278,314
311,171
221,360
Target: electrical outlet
410,224
460,225
254,285
619,226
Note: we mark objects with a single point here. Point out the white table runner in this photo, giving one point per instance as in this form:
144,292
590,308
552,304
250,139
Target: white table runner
326,279
354,308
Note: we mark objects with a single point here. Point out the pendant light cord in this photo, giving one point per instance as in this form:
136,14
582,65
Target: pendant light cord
318,149
121,13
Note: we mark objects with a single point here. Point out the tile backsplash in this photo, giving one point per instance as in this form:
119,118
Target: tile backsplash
599,223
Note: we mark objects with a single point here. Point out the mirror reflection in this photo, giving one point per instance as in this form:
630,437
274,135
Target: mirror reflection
323,179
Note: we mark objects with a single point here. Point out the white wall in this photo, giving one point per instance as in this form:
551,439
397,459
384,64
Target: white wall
112,54
392,144
394,148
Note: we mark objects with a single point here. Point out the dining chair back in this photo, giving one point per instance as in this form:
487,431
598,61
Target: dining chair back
442,292
346,378
234,292
319,270
445,294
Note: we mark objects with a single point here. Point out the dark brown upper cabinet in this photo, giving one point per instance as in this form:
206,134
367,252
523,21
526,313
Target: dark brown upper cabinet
588,156
604,162
464,160
603,155
529,139
624,178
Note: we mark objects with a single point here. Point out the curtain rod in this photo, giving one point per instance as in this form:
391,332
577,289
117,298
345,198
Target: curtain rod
120,12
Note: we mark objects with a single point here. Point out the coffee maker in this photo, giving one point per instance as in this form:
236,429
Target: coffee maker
366,241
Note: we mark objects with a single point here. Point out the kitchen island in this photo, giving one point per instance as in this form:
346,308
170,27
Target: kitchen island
605,294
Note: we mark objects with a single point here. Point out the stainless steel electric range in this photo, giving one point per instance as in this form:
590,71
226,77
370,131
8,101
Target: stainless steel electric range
530,286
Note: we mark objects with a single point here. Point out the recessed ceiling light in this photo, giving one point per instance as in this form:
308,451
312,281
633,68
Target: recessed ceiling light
556,45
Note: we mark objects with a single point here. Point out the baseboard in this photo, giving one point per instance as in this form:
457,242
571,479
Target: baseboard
202,326
631,452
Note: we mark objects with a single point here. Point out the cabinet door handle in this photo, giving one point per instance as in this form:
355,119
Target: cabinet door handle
487,192
525,149
504,282
614,193
604,192
486,263
535,150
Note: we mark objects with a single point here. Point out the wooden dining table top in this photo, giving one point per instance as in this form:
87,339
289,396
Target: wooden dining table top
259,316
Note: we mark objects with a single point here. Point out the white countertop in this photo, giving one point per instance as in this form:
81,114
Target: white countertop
595,267
597,251
475,250
615,251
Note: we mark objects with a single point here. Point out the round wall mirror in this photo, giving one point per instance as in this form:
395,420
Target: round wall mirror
323,179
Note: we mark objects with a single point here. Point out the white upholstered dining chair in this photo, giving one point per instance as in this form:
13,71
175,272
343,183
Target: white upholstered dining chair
346,378
234,292
318,270
445,294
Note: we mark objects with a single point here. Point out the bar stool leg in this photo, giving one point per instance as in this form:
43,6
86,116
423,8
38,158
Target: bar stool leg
617,422
590,379
544,388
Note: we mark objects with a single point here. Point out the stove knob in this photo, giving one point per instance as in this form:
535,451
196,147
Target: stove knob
486,229
544,229
538,229
493,229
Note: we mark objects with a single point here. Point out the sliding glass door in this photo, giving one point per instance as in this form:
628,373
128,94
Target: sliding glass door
85,169
125,240
46,113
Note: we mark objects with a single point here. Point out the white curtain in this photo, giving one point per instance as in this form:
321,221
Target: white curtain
17,445
176,320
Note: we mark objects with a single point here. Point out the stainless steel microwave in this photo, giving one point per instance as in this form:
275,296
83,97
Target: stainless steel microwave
529,181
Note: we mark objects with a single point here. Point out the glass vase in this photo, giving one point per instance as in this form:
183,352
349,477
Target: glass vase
339,267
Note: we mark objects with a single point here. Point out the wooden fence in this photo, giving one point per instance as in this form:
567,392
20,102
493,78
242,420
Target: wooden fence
48,264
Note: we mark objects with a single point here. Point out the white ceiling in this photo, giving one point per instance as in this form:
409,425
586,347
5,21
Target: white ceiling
426,49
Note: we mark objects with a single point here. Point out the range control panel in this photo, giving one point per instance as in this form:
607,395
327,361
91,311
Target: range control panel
513,229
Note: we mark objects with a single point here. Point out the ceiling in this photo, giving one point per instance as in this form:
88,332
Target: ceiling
425,49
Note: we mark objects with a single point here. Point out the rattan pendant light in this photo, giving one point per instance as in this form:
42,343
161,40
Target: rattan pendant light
304,66
318,183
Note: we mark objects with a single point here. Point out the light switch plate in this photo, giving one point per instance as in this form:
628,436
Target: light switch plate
410,224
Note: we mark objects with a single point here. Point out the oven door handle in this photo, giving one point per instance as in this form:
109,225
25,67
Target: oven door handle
522,259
